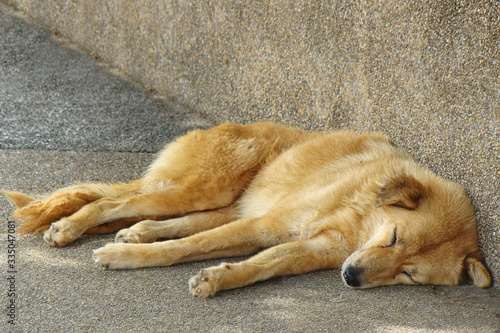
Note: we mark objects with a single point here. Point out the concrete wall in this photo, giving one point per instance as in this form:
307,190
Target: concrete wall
425,73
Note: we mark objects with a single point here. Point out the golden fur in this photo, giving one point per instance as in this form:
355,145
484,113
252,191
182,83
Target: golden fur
309,201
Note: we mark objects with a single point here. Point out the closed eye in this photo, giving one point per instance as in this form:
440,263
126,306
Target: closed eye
394,239
409,276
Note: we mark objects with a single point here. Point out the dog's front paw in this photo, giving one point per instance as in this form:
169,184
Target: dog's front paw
61,233
209,280
203,284
117,256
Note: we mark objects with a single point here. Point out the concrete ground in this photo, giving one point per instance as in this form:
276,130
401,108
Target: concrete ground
65,118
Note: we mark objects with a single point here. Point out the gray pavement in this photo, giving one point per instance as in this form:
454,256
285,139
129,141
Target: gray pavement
56,97
66,118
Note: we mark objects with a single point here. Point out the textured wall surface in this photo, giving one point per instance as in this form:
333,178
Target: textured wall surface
426,73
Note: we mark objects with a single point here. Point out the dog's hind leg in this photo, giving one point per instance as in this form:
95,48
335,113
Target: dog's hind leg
149,231
36,214
173,202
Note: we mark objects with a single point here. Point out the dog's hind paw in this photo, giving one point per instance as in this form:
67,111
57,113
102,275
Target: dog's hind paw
127,236
61,233
135,235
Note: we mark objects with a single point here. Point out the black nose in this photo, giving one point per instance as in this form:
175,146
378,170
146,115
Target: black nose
351,276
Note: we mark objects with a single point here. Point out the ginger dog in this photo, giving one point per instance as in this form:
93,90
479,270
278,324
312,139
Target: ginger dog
302,201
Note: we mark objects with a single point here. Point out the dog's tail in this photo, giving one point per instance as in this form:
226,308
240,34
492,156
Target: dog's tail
35,214
19,199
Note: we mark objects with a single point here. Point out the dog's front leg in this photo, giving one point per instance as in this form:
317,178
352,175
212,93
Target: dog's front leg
290,258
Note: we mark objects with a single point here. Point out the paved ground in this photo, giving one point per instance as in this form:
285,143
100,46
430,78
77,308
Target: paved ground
65,118
56,97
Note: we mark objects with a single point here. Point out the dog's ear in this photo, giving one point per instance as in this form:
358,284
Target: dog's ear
18,198
401,191
478,273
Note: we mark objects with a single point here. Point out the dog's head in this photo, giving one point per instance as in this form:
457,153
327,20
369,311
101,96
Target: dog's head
427,234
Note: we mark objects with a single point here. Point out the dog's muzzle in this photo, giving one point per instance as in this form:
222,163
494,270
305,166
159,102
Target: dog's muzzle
350,275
